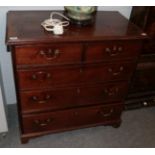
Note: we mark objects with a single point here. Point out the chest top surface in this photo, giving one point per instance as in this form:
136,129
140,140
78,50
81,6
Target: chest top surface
25,27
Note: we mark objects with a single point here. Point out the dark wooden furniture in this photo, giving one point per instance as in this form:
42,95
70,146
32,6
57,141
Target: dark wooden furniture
142,88
76,80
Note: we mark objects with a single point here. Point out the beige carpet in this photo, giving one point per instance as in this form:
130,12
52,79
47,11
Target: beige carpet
137,130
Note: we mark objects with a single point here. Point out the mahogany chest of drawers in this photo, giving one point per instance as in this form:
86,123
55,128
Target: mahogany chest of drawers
79,79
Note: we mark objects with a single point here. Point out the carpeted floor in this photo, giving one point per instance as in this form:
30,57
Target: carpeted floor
136,130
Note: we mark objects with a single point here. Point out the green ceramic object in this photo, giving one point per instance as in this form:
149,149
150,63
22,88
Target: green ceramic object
80,13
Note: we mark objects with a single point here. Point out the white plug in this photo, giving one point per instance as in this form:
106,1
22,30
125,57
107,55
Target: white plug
58,29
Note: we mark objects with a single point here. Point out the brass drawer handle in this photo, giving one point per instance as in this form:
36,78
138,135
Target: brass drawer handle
41,76
111,91
50,54
46,99
114,51
116,73
103,114
43,123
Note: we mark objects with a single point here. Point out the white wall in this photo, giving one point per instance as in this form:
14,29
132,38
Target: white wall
3,121
5,56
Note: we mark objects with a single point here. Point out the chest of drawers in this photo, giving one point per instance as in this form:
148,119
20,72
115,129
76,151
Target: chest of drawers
76,80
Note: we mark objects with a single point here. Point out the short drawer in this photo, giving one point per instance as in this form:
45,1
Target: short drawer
112,50
53,77
41,100
70,119
48,54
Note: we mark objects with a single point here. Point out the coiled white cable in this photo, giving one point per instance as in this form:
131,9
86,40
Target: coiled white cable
55,25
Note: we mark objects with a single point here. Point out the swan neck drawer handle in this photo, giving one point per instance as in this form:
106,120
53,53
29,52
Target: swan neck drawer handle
116,73
114,51
111,91
41,76
43,123
102,113
50,54
45,100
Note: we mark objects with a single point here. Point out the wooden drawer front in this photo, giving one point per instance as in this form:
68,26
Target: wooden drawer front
51,77
32,101
70,119
102,93
112,50
55,53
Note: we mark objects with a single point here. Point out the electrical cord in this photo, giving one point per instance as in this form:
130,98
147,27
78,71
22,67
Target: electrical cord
55,25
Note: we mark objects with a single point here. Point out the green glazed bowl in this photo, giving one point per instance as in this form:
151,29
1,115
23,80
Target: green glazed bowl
80,13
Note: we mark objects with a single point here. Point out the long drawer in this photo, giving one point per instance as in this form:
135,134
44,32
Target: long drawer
48,54
41,100
69,119
60,76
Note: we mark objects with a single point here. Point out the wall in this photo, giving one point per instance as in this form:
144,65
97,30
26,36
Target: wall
5,58
3,122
